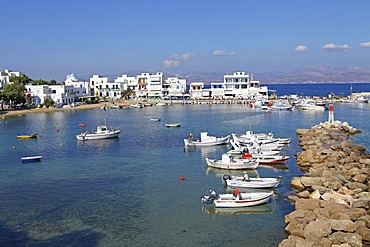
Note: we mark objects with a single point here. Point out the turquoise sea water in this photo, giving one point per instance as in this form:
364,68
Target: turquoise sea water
127,191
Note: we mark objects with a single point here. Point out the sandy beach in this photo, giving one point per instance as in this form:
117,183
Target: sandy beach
12,112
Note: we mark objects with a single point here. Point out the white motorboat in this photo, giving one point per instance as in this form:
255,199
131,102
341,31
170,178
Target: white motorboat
102,132
263,159
281,107
155,119
239,150
236,201
309,106
206,140
254,145
242,182
228,162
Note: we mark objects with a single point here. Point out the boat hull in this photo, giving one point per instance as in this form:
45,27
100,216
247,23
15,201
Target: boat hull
27,159
245,200
27,136
97,136
197,143
232,165
254,183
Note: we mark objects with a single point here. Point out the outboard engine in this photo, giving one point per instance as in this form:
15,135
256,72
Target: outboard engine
226,177
208,198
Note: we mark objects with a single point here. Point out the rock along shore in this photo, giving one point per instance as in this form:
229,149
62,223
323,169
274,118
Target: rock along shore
333,199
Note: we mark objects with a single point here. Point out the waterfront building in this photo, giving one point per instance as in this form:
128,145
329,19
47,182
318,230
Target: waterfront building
239,85
127,82
5,76
60,94
103,88
174,88
197,90
82,88
150,85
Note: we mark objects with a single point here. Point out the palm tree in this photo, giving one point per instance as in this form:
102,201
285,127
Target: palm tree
127,93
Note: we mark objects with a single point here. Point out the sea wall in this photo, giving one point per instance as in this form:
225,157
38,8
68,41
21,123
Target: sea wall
332,199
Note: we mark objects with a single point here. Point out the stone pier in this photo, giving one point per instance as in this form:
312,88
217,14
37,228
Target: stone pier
332,199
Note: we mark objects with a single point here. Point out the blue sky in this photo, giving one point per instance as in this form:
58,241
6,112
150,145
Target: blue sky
48,39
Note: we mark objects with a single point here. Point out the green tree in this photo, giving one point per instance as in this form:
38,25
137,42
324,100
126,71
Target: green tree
13,94
127,93
21,79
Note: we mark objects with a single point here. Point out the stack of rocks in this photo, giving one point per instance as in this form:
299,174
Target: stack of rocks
333,199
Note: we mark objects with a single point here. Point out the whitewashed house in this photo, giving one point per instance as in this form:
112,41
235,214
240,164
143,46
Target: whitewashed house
82,88
150,85
5,76
127,82
102,88
38,93
239,85
196,90
174,88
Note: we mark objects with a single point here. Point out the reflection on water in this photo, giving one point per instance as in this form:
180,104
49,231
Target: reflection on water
238,173
259,209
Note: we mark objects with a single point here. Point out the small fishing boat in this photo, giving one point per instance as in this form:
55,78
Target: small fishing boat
206,140
236,200
242,182
27,136
228,162
170,125
31,158
281,107
102,132
155,119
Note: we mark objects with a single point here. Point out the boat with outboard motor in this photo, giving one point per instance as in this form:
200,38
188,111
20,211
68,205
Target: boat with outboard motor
228,162
236,200
248,182
205,140
102,132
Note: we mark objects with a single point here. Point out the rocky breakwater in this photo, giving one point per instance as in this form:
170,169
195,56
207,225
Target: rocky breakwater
332,199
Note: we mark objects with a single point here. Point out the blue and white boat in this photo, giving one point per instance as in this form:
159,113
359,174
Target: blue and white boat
35,158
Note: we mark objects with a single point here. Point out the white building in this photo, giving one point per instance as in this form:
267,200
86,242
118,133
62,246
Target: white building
60,94
38,93
174,88
196,90
5,76
102,88
82,87
127,82
239,85
150,85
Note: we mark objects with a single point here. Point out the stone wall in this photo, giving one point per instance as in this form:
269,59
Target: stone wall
333,199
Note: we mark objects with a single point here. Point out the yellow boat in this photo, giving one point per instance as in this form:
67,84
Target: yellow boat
25,136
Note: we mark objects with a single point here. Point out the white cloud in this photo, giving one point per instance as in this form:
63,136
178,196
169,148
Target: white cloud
222,53
176,60
334,47
301,48
171,63
185,56
365,44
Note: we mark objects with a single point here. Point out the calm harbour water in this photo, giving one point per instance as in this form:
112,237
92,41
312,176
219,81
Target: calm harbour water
127,191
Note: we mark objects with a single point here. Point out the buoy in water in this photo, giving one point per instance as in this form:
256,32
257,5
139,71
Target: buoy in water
182,178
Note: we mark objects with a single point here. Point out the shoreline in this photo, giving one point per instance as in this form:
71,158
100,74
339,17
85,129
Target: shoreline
332,197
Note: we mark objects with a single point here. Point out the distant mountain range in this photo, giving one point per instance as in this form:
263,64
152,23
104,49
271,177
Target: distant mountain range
310,74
